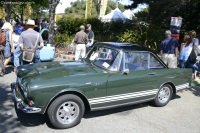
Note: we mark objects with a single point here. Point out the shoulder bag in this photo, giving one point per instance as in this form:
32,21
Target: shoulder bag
28,54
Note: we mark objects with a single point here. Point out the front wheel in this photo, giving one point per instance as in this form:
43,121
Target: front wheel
66,111
163,96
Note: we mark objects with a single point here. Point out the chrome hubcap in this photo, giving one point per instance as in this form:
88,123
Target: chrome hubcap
67,112
164,94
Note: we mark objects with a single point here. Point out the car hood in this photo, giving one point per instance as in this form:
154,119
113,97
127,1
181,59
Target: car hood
52,70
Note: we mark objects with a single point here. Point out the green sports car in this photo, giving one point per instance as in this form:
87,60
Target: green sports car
111,75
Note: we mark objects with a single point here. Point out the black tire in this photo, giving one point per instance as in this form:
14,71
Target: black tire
162,100
64,106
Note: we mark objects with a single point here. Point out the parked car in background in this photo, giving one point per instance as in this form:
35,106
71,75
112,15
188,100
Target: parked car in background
111,75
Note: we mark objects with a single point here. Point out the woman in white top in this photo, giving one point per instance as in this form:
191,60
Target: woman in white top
186,49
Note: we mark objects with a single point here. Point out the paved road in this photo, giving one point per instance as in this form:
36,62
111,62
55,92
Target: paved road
181,115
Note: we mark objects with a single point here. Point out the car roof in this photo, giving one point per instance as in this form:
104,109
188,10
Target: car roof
124,46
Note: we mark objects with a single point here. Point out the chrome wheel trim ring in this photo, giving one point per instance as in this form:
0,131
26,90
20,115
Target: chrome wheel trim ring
67,112
164,94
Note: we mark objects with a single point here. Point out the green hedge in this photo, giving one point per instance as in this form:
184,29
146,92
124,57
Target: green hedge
116,31
69,26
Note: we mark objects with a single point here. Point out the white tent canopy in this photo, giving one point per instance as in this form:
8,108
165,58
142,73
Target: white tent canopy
114,15
129,14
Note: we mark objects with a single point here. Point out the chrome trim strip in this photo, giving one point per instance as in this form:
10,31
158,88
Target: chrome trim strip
122,97
183,86
123,104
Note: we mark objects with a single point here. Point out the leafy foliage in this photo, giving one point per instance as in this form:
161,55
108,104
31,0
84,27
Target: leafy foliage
147,36
103,31
160,12
69,25
77,8
62,40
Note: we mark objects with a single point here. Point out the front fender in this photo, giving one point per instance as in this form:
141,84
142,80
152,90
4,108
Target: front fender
68,91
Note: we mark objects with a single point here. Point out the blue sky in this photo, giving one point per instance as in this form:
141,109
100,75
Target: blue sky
66,3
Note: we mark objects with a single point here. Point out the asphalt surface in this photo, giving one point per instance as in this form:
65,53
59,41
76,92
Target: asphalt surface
181,115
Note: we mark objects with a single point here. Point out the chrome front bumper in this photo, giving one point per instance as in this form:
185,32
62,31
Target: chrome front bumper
20,104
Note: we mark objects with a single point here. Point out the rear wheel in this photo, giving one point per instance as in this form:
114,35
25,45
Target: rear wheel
66,111
163,96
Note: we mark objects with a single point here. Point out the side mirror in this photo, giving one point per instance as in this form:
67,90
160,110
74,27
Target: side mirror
125,71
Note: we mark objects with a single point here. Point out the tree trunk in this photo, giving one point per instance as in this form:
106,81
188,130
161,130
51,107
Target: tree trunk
52,9
8,10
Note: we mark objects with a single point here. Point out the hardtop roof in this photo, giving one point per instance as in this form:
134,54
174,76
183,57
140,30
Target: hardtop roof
124,46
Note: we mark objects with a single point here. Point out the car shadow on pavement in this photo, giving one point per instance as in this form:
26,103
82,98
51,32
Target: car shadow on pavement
30,120
9,121
175,96
125,110
195,90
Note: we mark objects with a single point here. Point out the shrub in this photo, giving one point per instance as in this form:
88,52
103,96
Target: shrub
149,36
69,25
62,40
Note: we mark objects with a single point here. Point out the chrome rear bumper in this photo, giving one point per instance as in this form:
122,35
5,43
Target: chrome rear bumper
20,104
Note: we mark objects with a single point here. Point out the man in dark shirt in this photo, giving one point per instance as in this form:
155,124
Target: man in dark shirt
169,50
90,35
81,40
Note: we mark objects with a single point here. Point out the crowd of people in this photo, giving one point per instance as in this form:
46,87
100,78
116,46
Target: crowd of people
184,55
18,41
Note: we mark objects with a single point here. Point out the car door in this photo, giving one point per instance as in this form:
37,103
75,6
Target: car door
178,77
136,82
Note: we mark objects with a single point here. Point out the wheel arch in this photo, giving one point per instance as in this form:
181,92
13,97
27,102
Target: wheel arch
172,85
79,94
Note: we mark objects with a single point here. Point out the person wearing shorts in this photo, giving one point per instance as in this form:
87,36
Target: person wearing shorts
9,47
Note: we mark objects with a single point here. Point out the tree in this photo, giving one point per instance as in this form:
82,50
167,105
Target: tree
77,8
160,12
15,8
52,10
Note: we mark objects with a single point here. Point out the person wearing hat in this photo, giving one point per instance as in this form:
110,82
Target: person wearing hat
81,40
90,35
169,50
28,39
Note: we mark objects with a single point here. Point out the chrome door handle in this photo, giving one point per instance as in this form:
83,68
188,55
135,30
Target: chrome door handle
88,83
152,74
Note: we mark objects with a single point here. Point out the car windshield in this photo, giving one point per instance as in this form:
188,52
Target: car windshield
103,57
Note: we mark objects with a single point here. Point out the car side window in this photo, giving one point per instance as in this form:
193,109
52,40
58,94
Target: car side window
104,57
135,61
154,63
